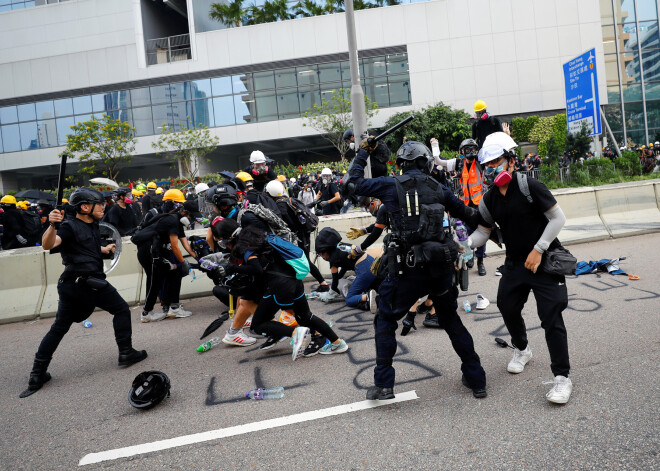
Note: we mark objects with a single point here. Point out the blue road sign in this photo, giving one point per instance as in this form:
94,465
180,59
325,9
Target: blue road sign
582,103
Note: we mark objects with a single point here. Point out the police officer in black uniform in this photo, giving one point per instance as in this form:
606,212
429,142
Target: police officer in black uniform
82,286
380,154
420,260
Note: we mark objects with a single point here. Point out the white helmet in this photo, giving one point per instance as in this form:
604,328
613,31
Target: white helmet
292,180
257,157
200,187
275,189
326,171
490,152
502,139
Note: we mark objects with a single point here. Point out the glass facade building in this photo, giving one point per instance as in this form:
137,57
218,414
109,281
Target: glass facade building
631,43
227,100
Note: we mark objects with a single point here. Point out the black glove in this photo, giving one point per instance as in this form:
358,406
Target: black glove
185,266
323,204
408,323
220,271
21,239
323,288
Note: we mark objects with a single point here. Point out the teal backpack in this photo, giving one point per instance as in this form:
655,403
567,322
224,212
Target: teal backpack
292,255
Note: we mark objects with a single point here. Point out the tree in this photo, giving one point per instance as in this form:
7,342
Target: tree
307,8
332,117
230,14
102,146
186,146
447,125
579,143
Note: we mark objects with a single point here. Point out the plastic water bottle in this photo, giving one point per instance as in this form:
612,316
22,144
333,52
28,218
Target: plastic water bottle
205,347
86,323
462,234
194,277
208,265
467,306
265,393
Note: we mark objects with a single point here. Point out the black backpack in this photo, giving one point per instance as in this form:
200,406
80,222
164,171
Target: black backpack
31,226
307,219
147,232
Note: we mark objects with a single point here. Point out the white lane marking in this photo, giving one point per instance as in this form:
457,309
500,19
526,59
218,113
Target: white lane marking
239,429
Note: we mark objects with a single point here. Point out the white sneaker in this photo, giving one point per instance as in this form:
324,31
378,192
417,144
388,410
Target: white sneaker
152,316
179,311
239,339
373,305
482,303
248,322
300,339
561,390
519,360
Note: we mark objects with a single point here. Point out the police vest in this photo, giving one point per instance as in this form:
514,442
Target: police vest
86,255
413,192
472,183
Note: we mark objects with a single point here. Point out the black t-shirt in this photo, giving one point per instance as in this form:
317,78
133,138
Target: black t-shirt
327,193
522,223
483,127
87,243
124,220
340,259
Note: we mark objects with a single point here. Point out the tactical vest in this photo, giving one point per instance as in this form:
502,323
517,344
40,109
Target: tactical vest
86,256
413,192
472,183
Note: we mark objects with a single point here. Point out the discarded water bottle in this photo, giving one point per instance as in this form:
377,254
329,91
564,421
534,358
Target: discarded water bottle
208,265
206,346
467,306
265,393
194,277
86,323
462,234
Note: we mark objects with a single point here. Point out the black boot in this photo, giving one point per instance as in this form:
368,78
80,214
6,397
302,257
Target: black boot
128,355
470,263
480,267
363,305
38,377
408,323
479,393
376,392
431,320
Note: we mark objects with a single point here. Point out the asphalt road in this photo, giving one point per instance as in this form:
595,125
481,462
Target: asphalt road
611,422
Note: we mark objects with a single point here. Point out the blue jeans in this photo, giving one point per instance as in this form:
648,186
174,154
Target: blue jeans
363,281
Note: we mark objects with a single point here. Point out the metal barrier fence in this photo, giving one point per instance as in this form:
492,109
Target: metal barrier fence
170,49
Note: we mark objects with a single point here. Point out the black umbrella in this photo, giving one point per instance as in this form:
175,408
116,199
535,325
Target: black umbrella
33,196
227,174
215,324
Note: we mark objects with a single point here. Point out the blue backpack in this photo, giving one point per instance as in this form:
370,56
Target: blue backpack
292,255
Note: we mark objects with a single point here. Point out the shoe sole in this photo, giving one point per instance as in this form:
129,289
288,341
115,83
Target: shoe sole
178,316
300,346
330,352
146,321
245,344
373,305
560,401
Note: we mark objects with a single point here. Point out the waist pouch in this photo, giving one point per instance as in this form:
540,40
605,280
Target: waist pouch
431,219
559,261
92,283
438,255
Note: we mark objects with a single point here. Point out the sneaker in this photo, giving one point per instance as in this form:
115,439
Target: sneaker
318,341
519,360
330,348
271,342
561,390
248,322
498,270
479,393
239,339
482,303
300,339
178,311
373,302
381,394
152,316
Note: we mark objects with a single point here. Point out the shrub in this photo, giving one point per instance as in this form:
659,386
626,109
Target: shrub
520,128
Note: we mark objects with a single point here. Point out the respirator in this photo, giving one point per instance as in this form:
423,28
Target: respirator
499,176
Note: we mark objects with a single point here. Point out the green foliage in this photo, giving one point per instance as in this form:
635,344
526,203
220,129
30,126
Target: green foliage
332,117
290,170
520,128
447,125
102,146
629,164
229,14
549,132
579,143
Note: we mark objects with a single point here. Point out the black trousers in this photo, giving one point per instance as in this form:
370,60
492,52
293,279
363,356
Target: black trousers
77,302
160,280
222,293
551,299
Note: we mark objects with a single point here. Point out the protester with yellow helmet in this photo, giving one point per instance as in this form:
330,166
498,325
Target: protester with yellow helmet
484,123
14,236
24,205
151,186
152,199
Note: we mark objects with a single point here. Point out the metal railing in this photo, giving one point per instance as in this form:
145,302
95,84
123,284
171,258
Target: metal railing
170,49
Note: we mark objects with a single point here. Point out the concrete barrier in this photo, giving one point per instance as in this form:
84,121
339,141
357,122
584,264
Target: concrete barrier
583,222
22,283
628,210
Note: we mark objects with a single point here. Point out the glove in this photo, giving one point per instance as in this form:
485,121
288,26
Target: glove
21,239
408,323
220,271
185,266
323,204
356,251
323,288
356,232
369,144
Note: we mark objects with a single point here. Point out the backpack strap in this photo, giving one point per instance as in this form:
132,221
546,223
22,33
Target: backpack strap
524,186
485,213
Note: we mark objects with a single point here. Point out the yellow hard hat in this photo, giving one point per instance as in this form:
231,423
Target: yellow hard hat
643,147
159,191
246,177
151,185
650,144
281,178
479,105
64,200
23,205
136,192
141,186
8,199
174,195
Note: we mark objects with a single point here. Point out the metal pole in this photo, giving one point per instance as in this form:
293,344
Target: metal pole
357,95
609,130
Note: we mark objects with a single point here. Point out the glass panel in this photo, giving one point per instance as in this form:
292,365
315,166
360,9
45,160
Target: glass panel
200,113
606,15
82,105
630,64
646,10
8,114
266,106
5,8
160,94
330,72
613,115
632,92
63,107
63,129
28,136
287,105
308,97
400,90
625,10
651,65
221,86
377,90
140,97
611,69
162,115
81,118
46,133
241,83
397,64
1,148
45,110
26,112
637,136
375,66
653,113
613,94
648,35
244,108
101,102
327,89
177,91
307,75
652,90
142,121
609,42
11,140
197,89
634,115
223,111
179,113
285,78
264,80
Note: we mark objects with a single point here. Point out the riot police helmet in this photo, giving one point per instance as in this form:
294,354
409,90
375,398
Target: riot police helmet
413,154
122,191
85,196
223,194
149,388
348,134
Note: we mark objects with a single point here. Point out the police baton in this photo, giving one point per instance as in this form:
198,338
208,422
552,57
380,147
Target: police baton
60,183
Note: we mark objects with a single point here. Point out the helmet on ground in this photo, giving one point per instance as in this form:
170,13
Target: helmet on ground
149,388
223,194
85,196
174,195
257,157
200,187
348,134
479,105
8,199
275,189
327,240
246,177
326,171
416,154
281,178
151,186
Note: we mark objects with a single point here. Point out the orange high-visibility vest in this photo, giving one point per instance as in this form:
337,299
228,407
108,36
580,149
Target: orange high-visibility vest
472,184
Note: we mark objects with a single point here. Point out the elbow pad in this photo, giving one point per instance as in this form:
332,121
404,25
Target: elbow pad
556,221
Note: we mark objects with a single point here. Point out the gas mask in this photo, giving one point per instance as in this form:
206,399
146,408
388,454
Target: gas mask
260,169
325,181
497,175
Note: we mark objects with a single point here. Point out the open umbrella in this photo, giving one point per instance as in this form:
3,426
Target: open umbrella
104,181
33,196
